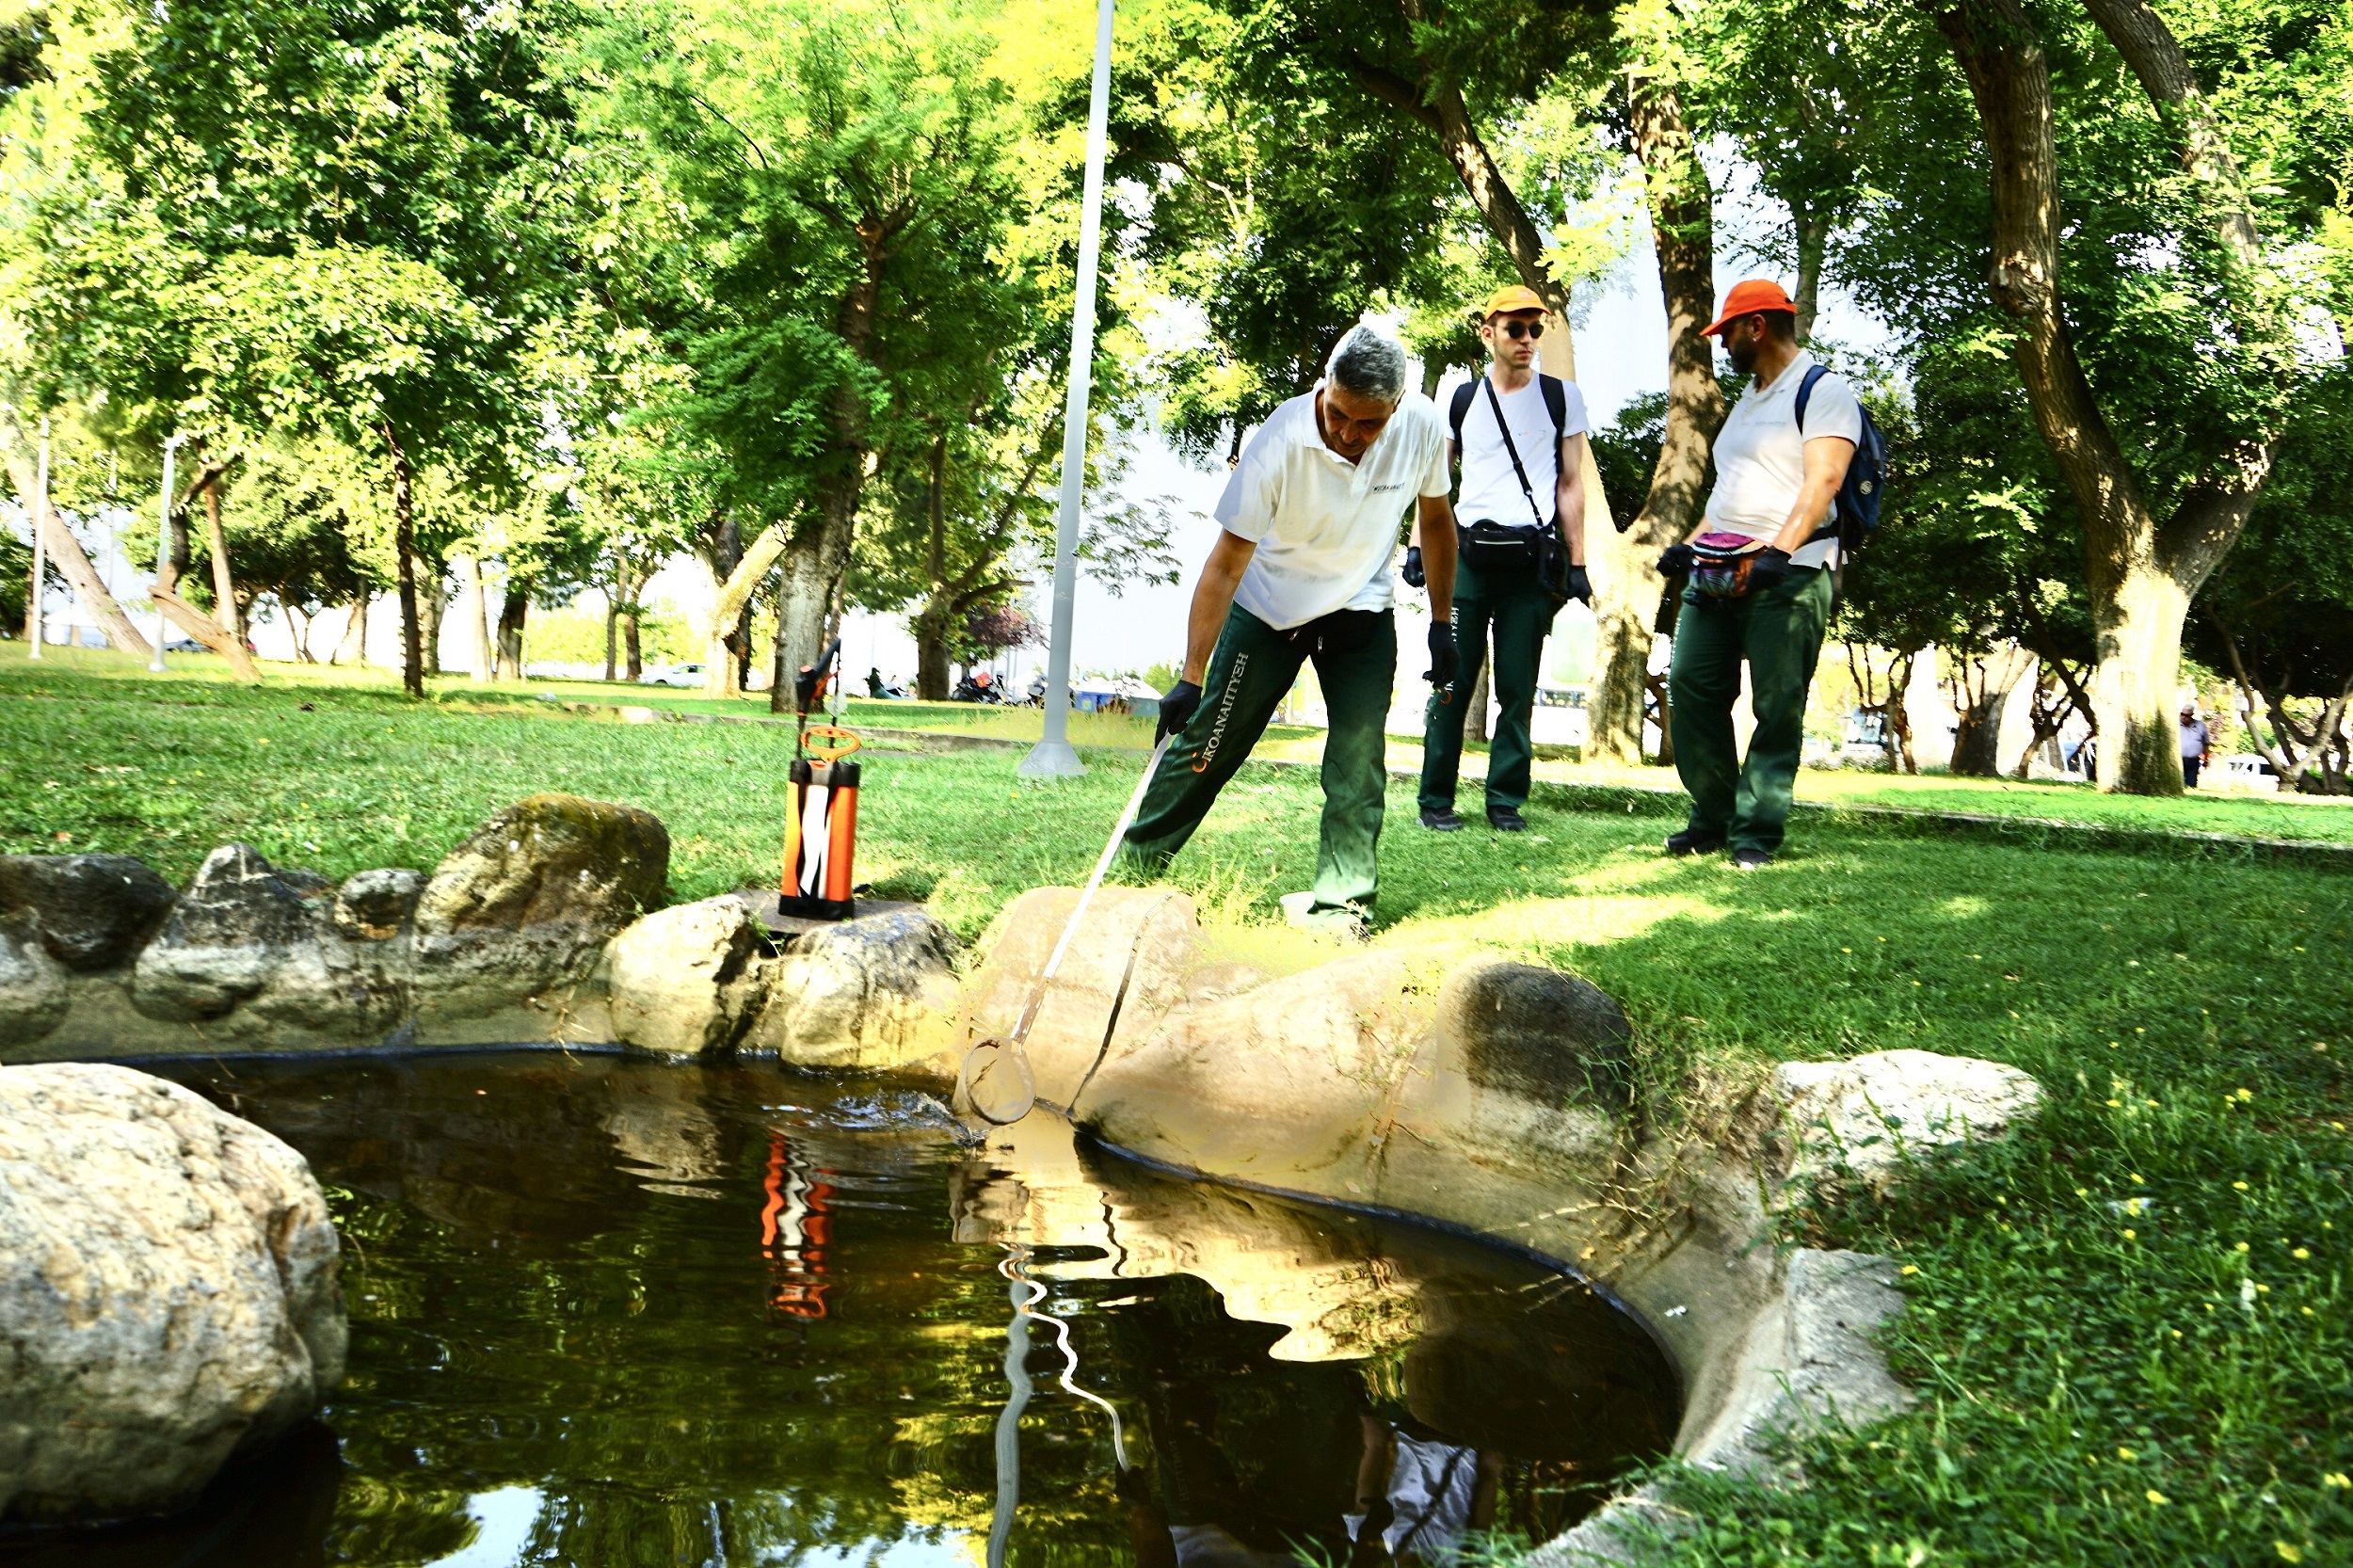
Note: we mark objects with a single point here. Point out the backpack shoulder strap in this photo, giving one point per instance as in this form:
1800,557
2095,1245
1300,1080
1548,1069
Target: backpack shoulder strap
1557,405
1459,408
1805,391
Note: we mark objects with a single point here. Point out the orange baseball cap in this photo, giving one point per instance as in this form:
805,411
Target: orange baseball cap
1747,298
1513,296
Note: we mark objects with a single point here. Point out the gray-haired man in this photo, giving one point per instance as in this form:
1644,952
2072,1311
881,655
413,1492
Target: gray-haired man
1300,572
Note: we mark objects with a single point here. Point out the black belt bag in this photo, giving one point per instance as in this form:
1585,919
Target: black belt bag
1502,555
1492,548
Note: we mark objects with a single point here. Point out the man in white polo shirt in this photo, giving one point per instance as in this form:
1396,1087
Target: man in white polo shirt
1778,470
1521,438
1300,572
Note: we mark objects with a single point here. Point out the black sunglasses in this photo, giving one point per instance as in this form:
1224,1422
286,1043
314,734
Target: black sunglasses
1517,330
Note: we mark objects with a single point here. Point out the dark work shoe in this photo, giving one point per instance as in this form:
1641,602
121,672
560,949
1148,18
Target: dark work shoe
1751,859
1442,822
1506,819
1692,841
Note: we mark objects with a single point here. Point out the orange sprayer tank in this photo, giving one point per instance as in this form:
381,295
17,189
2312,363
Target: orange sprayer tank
820,834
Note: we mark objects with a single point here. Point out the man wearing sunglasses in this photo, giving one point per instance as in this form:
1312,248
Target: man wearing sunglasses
1520,438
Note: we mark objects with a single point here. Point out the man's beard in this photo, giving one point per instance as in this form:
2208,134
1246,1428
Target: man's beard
1742,355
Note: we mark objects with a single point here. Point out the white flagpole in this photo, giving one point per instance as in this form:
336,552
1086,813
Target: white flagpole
40,559
1054,757
163,550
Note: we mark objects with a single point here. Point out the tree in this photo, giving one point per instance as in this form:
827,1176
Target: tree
2159,518
847,180
2277,618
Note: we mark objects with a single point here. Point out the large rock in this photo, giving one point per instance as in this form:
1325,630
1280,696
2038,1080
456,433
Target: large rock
550,860
688,981
1867,1115
878,991
34,997
226,940
91,911
169,1292
513,923
257,947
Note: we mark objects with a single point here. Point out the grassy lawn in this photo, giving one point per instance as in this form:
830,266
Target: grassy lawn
2130,1327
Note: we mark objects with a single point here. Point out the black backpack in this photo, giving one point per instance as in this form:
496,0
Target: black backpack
1556,404
1855,516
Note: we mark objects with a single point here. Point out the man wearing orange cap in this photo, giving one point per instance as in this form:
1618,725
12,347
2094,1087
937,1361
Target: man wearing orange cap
1520,439
1760,589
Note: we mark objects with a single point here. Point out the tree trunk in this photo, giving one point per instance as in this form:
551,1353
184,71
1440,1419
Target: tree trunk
931,663
430,603
632,643
1474,710
722,675
226,610
612,637
471,605
353,649
1813,232
1981,689
405,558
1898,716
66,553
1626,586
511,617
205,629
780,672
2140,575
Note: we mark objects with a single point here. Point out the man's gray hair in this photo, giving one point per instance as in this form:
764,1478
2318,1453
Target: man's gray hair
1369,363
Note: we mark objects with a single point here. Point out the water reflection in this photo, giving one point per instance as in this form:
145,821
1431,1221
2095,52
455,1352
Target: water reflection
615,1313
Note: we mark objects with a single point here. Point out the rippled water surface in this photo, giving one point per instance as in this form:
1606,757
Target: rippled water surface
611,1313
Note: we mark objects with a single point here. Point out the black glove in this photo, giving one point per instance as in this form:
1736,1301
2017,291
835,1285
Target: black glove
1676,560
1766,568
1132,1486
1176,708
1413,574
1580,585
1444,660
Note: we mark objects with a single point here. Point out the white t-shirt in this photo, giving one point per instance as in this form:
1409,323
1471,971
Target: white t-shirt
2195,737
1326,528
1490,490
1760,455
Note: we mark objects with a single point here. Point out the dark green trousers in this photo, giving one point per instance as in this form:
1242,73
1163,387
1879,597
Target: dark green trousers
1252,668
1521,617
1778,632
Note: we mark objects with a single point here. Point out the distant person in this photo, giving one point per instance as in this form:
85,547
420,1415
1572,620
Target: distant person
2196,744
874,686
1300,572
1777,475
1521,556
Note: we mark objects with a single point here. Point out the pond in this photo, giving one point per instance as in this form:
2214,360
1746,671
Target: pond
612,1312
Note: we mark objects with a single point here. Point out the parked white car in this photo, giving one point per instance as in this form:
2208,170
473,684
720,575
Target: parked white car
689,676
2244,769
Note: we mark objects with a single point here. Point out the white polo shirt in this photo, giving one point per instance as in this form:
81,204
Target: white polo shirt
1326,528
1760,455
1491,490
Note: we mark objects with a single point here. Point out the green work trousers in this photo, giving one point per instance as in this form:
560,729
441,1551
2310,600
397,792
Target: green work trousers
1521,617
1252,668
1778,631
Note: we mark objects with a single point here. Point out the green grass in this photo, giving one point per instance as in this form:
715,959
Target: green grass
2099,1309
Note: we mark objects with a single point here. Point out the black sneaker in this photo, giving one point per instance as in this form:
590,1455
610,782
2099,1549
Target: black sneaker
1751,859
1440,821
1506,819
1692,841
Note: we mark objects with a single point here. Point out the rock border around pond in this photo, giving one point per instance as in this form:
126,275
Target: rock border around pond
1489,1096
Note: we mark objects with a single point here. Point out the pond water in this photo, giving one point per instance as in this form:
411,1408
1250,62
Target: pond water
609,1312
